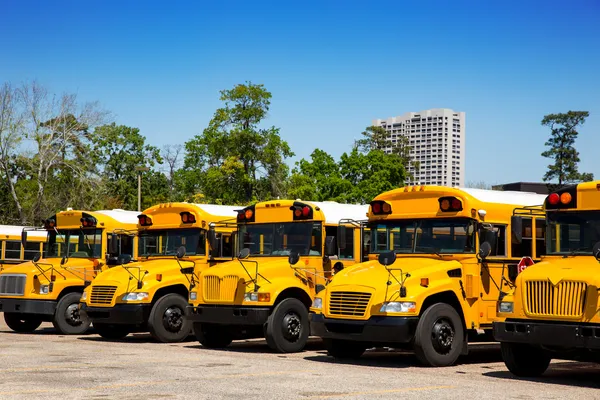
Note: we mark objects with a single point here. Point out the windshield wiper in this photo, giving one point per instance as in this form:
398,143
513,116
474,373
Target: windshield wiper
574,252
428,250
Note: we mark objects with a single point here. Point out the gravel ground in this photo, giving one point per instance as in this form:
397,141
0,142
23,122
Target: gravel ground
46,365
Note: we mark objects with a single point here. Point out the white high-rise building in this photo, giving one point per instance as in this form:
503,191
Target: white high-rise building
437,141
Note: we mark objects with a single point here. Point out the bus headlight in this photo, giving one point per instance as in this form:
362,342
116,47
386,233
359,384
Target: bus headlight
83,297
255,296
399,307
44,289
317,303
193,296
506,307
135,296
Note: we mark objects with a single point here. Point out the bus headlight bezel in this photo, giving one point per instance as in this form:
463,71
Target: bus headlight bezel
317,303
506,307
404,307
135,296
44,289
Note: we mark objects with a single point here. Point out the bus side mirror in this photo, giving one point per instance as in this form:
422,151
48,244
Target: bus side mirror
212,239
114,244
180,252
330,248
387,258
341,237
485,250
294,257
124,259
37,257
23,238
244,253
596,251
516,227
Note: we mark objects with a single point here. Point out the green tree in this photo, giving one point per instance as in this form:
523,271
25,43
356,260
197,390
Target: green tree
370,174
377,138
318,179
563,132
119,150
235,160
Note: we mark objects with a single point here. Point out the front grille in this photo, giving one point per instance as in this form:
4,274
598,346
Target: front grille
220,289
566,299
348,303
12,284
102,294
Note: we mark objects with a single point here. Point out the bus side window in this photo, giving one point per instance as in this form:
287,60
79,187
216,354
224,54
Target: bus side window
31,249
226,245
12,250
540,237
501,243
525,247
348,252
126,244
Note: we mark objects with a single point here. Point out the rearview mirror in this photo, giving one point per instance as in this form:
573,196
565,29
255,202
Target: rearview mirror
485,250
212,239
330,249
63,261
23,238
387,258
180,252
294,257
244,253
37,257
341,236
516,227
124,259
596,251
114,244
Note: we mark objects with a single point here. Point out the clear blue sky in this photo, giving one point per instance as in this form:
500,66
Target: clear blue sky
332,67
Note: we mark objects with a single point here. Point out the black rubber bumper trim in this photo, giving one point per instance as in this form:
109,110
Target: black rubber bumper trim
377,329
131,314
24,306
570,336
228,315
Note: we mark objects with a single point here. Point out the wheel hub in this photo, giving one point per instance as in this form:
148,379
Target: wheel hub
442,336
173,319
72,315
292,325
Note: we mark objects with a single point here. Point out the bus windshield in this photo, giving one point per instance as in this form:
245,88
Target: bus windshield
424,236
280,239
165,242
82,243
572,232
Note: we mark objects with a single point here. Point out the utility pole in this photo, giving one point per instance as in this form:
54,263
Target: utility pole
140,170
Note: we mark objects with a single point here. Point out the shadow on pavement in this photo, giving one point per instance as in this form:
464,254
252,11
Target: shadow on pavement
478,354
259,346
578,374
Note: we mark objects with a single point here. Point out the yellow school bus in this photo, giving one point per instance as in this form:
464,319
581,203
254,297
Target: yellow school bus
552,312
288,253
12,251
48,287
151,294
439,258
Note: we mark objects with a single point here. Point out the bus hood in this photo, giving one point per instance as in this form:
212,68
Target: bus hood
46,264
562,269
374,275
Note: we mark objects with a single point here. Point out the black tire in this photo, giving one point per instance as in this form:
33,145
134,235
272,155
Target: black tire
23,323
166,322
344,348
288,327
67,318
112,331
213,336
439,336
525,360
